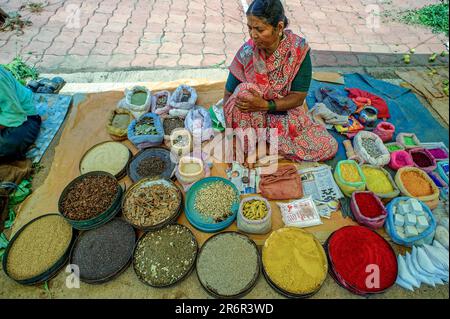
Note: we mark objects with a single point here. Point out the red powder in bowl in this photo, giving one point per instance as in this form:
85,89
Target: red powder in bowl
421,159
368,205
352,250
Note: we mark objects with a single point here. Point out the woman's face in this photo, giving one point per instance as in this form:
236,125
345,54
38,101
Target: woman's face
263,34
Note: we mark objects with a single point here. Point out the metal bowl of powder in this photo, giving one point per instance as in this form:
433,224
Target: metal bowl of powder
228,265
39,250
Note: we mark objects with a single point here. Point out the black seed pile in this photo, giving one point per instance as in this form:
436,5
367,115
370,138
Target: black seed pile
102,252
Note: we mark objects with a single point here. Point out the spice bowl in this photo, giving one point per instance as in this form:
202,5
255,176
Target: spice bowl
152,203
165,239
209,224
53,270
190,169
99,219
142,165
423,159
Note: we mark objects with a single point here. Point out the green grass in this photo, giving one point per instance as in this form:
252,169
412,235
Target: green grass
434,16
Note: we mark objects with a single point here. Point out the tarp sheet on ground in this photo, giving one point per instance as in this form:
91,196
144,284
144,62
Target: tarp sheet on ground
85,127
407,113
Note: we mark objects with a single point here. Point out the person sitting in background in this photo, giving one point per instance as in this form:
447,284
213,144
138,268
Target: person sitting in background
268,83
19,122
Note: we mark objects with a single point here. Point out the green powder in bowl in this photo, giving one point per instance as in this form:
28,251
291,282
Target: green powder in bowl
139,98
410,141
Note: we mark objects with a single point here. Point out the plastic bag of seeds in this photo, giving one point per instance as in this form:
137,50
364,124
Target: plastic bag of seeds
254,216
147,130
198,122
138,101
183,98
371,149
160,103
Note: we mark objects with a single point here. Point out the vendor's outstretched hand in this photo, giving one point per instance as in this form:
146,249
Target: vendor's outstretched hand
252,102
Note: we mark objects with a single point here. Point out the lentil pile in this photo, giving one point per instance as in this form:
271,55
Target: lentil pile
350,173
39,247
377,181
164,257
171,124
89,197
295,261
148,206
371,147
102,252
228,264
215,201
416,184
151,167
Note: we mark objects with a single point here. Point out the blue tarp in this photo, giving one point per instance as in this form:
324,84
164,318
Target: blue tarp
407,113
53,110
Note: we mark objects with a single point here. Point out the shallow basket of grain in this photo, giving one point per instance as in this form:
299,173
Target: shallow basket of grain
39,250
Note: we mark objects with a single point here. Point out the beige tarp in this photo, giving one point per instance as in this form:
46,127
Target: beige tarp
86,126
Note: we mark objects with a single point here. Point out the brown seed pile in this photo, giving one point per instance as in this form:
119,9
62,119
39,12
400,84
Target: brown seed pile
89,197
148,206
164,257
39,247
171,124
151,167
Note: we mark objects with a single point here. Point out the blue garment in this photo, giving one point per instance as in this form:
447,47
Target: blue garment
16,101
335,100
14,141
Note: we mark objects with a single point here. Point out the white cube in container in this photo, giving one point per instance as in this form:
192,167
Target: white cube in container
411,231
399,220
415,206
410,220
422,224
400,232
404,208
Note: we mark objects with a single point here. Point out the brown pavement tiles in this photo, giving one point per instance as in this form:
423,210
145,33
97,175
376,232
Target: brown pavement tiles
144,60
190,60
167,60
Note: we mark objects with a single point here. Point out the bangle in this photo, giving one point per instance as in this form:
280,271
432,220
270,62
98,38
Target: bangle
272,106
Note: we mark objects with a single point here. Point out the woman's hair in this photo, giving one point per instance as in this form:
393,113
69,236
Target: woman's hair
271,11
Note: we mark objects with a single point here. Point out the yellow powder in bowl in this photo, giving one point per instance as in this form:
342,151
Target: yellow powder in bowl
350,173
416,184
295,261
377,181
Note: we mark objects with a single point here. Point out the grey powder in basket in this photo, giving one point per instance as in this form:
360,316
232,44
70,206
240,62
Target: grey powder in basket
103,252
228,264
164,257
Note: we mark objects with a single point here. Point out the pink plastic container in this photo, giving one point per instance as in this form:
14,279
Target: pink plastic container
385,131
401,159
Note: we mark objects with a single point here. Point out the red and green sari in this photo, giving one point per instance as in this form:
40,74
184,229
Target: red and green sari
299,137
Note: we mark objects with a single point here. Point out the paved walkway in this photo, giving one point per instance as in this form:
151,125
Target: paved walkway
99,35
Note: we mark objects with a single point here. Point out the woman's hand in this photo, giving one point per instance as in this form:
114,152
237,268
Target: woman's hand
252,103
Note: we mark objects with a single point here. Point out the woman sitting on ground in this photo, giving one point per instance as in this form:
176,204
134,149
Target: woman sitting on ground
268,83
19,122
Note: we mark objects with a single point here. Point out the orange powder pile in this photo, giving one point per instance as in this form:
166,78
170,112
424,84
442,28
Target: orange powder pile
416,185
350,173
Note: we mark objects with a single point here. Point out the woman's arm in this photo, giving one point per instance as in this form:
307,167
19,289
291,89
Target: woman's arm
232,83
